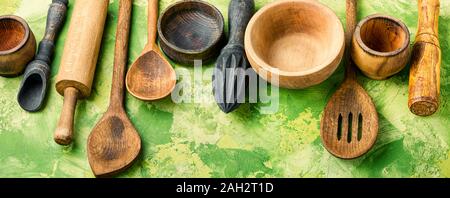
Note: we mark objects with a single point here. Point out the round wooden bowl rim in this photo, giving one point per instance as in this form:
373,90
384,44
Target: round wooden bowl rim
26,36
369,50
317,68
185,51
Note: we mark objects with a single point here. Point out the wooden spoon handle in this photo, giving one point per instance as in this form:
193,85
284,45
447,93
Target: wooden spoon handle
424,78
64,130
350,73
121,54
152,21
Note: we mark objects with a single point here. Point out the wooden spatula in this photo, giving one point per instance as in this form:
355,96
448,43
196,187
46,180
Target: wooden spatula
349,125
114,142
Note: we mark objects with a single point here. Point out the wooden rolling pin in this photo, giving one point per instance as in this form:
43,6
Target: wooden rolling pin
79,60
424,79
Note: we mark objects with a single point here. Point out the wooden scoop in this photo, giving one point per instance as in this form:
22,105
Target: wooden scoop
349,126
151,77
114,143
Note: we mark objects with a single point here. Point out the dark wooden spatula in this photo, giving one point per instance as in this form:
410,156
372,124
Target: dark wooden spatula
349,125
114,142
229,75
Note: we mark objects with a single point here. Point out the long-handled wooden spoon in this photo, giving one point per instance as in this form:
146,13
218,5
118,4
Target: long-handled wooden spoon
151,77
349,125
114,142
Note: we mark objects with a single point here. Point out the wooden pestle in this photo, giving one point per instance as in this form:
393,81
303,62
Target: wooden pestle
79,60
424,79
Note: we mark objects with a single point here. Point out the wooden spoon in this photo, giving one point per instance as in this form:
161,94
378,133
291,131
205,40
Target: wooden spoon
114,143
349,126
151,77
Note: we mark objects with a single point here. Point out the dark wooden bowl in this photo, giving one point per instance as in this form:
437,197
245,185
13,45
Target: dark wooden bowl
17,45
191,30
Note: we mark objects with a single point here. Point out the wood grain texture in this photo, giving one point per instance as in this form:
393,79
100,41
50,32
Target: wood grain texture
349,124
17,45
299,42
114,142
229,83
33,88
64,130
191,30
380,46
151,77
82,46
79,60
424,79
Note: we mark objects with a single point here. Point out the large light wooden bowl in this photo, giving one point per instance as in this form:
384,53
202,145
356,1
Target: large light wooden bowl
295,43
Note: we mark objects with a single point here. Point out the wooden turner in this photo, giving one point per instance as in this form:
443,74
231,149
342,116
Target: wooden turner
114,142
349,125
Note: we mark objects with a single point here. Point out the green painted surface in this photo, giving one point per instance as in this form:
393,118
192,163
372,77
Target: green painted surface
197,140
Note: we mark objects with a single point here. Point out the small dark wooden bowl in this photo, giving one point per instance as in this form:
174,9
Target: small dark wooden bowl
17,45
191,30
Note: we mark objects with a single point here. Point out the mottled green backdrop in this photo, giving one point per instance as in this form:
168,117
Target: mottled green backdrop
198,140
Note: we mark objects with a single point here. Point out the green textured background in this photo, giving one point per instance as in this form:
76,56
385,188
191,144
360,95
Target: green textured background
198,140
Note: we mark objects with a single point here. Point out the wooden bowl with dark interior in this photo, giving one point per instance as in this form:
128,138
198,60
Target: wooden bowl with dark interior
191,30
381,46
17,45
295,43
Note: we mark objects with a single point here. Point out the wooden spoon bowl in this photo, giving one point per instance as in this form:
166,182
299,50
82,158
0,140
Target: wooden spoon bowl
191,30
17,45
299,42
113,144
349,126
380,46
151,77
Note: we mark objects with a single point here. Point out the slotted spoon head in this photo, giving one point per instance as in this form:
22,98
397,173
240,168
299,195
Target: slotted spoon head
349,125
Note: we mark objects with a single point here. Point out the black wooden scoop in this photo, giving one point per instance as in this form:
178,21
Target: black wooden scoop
33,88
229,75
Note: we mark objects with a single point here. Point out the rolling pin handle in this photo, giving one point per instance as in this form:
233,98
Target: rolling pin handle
64,130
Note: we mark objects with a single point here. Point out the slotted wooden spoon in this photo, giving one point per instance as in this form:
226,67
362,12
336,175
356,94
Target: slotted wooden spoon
349,125
114,143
